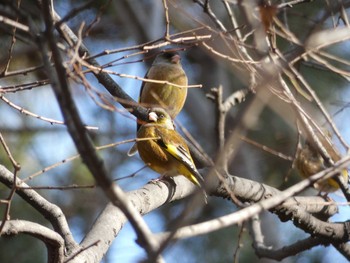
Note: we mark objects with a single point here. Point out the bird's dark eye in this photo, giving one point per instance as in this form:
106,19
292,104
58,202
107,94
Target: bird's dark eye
161,116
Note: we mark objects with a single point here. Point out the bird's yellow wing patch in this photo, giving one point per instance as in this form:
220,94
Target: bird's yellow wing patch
183,156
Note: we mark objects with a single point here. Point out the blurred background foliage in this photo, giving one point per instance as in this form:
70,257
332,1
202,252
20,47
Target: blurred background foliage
36,144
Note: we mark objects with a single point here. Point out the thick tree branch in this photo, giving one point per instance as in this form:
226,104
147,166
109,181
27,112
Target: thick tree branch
52,240
269,198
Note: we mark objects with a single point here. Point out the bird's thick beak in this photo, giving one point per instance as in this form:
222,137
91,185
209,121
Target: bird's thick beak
175,59
152,116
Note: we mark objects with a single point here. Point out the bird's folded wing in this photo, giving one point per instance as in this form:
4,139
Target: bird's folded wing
179,152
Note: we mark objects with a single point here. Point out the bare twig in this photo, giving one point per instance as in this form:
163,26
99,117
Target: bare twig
167,21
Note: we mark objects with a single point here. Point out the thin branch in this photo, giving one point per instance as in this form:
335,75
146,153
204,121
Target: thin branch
23,86
267,149
28,113
14,23
207,9
13,41
71,158
31,114
290,250
16,167
167,20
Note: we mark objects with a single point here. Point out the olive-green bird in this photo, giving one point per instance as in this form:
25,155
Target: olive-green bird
167,153
309,162
166,67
